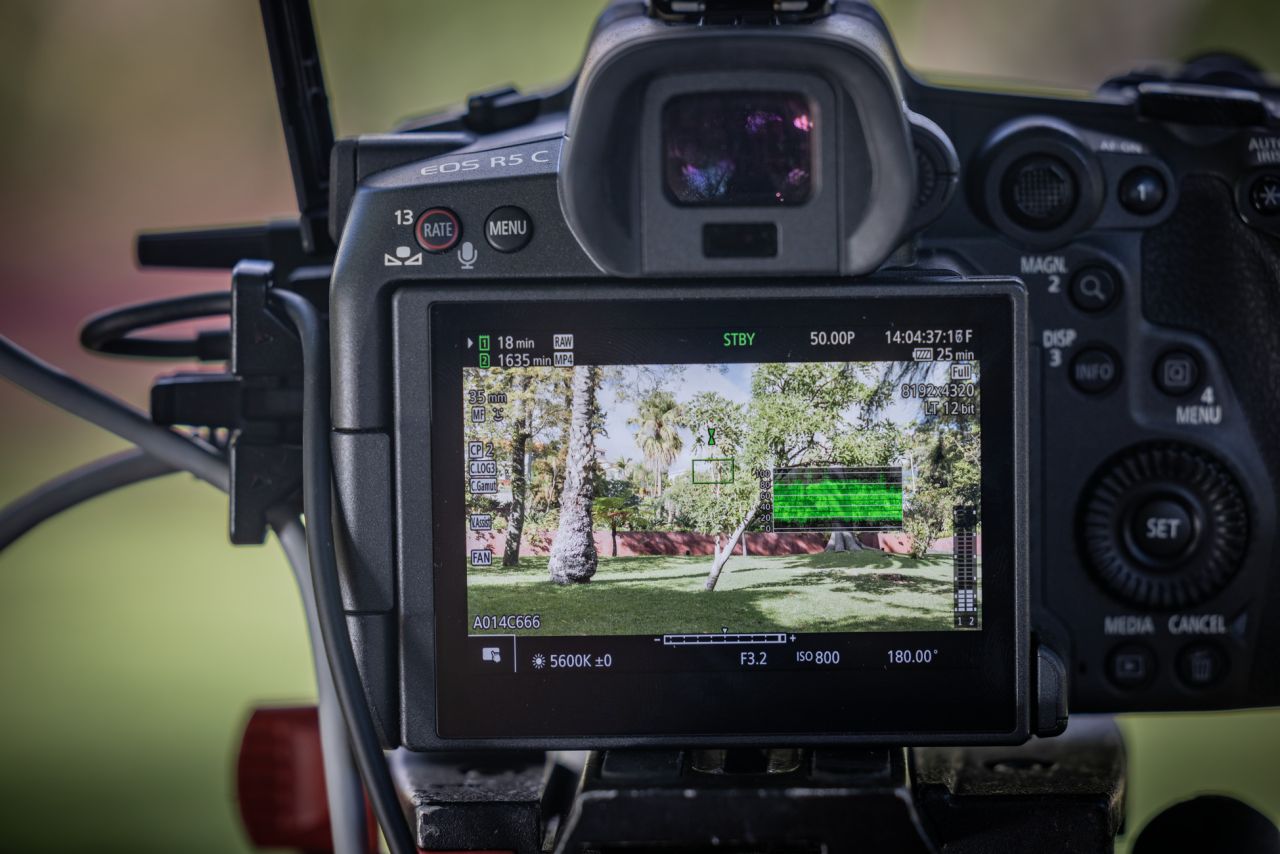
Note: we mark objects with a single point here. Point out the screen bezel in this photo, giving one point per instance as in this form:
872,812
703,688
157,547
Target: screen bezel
444,706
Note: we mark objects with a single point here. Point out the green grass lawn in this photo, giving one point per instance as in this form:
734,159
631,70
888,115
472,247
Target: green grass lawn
836,592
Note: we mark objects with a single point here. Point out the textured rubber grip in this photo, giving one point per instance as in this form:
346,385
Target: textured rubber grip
1206,271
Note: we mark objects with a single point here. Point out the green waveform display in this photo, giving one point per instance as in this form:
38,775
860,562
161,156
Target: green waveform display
837,498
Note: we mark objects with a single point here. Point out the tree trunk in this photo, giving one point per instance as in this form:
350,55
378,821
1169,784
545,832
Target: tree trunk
519,476
551,482
613,534
844,541
722,556
573,554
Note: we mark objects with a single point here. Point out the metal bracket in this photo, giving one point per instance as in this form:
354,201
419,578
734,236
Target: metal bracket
259,401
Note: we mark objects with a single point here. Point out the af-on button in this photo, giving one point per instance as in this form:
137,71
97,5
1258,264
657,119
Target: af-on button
508,229
437,230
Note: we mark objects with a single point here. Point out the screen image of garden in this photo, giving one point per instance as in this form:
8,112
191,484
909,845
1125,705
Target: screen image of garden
689,499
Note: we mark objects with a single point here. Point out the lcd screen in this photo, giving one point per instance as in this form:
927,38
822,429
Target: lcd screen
753,499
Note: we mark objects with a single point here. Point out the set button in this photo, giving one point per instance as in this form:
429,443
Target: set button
1163,529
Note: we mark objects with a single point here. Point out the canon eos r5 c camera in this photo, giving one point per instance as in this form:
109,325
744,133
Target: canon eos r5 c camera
751,389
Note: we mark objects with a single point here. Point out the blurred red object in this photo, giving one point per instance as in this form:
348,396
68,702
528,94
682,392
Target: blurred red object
280,782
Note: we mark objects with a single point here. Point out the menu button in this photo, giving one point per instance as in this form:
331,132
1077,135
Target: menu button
508,229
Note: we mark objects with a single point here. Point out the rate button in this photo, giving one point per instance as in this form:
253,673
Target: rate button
437,230
508,229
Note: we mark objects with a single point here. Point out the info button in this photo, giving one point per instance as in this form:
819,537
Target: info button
508,229
1095,370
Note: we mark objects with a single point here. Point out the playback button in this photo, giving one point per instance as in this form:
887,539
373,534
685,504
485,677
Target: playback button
508,229
1131,665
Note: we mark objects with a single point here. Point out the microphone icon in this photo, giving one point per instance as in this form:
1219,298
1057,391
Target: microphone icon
467,256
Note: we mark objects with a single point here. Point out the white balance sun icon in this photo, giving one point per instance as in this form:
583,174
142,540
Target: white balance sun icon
539,661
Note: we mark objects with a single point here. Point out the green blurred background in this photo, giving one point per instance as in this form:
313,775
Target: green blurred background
133,639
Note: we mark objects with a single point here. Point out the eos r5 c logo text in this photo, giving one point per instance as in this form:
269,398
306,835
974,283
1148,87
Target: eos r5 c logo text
493,161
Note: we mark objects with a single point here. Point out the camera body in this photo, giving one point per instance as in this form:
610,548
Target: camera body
1109,266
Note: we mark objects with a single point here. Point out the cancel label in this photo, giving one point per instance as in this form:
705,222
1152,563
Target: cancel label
1197,624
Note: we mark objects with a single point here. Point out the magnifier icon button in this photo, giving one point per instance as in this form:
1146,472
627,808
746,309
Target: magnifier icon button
1094,289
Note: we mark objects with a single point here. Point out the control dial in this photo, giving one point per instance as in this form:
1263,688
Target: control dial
1163,525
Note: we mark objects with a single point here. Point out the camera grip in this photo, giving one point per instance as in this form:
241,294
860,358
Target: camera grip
1206,271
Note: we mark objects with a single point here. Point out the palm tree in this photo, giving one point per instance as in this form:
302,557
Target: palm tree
657,421
573,553
522,419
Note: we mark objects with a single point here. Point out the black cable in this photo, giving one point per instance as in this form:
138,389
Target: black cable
112,332
348,823
75,487
171,450
317,479
97,407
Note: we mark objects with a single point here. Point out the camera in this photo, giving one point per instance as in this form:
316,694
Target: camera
801,437
752,390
